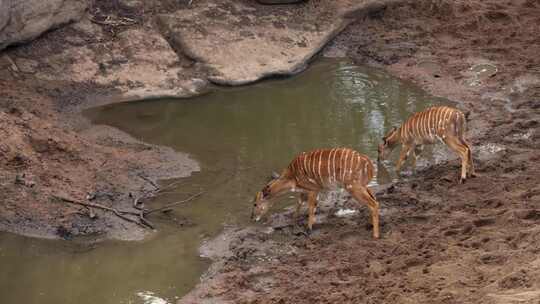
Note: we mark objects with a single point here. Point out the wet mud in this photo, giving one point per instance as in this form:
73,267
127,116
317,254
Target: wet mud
442,242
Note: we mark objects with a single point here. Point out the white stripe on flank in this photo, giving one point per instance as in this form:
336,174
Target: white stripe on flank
304,168
320,159
438,121
415,127
345,166
446,115
429,125
353,158
335,167
426,125
340,159
422,127
314,164
418,126
328,166
408,129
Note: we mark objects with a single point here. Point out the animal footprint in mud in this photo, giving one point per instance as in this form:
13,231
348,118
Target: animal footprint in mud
516,280
493,259
528,214
484,222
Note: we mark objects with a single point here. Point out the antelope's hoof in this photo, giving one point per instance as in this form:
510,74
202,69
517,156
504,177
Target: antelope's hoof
301,232
462,180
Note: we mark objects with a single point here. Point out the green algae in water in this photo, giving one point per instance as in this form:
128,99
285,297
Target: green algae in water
239,136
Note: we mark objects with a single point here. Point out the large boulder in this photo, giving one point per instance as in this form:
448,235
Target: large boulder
240,42
24,20
138,62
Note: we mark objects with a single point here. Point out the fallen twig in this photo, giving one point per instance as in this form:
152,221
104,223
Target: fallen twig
171,185
149,181
145,221
168,206
109,21
119,213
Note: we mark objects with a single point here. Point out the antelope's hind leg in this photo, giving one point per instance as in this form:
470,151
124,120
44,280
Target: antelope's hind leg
301,201
312,206
363,195
470,169
462,150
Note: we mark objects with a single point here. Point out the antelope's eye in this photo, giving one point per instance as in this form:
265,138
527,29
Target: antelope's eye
255,205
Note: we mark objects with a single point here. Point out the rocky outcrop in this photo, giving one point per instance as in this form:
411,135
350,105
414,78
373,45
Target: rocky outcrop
242,43
24,20
138,63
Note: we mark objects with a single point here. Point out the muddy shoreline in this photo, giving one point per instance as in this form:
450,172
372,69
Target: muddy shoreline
442,242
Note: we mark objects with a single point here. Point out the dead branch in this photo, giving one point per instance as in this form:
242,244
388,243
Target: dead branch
171,185
119,213
109,21
151,182
145,221
169,206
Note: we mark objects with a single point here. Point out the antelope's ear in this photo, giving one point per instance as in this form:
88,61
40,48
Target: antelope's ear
394,129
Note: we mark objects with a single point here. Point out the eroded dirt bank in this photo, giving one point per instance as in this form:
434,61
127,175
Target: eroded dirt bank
44,162
442,242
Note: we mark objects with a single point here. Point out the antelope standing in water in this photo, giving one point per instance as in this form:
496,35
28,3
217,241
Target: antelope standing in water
318,170
443,123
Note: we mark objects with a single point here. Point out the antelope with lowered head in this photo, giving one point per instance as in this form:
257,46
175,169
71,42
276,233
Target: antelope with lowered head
325,169
436,123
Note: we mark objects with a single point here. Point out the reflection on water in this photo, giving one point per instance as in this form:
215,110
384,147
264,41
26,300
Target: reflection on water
239,135
150,298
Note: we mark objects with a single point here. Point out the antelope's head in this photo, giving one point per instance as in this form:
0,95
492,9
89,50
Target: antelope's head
278,185
389,141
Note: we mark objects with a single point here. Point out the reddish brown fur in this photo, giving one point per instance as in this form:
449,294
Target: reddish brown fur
324,169
330,167
436,123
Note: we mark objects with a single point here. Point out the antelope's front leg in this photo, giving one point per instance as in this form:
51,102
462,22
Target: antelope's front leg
301,200
416,153
405,149
312,204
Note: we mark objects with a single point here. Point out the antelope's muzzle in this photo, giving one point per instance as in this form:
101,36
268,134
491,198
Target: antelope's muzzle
254,216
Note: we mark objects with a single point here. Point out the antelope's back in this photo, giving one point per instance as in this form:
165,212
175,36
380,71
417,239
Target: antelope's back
329,168
432,123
